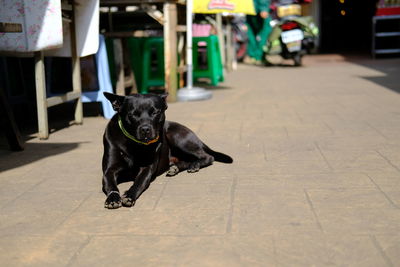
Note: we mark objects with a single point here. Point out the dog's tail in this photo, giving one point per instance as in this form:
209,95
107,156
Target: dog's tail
218,156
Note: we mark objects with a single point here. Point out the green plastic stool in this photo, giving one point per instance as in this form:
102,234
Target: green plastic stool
135,46
207,61
111,61
153,63
147,61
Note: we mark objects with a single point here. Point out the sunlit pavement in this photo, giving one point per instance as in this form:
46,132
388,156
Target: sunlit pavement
315,180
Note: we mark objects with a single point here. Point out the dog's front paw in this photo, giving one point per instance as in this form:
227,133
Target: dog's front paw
127,200
173,170
113,201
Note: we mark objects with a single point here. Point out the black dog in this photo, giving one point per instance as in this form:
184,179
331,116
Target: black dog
139,145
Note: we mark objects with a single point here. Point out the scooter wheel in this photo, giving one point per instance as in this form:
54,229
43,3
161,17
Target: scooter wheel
297,60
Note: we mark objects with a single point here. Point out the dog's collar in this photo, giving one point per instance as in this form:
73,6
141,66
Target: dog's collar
125,132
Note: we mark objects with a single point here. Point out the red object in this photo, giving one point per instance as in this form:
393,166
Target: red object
289,25
384,11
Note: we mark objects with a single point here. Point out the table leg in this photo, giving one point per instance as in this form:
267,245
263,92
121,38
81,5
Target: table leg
170,50
41,101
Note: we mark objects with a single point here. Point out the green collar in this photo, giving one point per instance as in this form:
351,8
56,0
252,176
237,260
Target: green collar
125,132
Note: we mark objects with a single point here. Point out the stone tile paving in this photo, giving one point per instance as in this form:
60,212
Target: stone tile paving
315,182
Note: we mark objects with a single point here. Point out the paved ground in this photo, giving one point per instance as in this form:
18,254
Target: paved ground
315,182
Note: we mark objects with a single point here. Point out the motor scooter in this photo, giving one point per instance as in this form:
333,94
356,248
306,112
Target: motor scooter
292,35
239,31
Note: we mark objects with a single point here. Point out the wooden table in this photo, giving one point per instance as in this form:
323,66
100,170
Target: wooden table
44,102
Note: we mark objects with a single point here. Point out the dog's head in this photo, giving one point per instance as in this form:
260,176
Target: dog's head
143,116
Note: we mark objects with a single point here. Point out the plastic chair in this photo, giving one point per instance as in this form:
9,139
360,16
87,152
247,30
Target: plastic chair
104,81
207,61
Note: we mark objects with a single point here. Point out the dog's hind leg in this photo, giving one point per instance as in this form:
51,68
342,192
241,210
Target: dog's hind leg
187,148
173,170
202,160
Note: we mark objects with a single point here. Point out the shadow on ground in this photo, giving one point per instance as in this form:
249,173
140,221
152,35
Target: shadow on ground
211,87
59,117
389,67
33,152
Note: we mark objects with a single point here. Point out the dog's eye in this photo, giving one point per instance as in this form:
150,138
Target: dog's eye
135,113
155,113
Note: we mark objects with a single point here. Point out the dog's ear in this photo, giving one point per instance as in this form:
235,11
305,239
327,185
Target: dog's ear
164,97
116,100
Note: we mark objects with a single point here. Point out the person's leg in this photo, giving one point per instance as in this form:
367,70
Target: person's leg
262,38
251,22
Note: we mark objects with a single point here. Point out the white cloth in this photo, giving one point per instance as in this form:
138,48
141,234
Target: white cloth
87,29
41,23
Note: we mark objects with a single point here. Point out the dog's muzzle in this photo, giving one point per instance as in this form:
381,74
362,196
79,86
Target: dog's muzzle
146,132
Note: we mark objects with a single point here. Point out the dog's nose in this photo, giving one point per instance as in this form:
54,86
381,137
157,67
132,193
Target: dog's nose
145,130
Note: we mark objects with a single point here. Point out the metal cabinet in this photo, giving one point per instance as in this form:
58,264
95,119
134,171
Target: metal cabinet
385,35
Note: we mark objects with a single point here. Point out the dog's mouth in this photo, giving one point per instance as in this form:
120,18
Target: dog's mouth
146,133
148,140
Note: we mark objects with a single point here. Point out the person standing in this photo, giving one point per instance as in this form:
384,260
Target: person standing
258,30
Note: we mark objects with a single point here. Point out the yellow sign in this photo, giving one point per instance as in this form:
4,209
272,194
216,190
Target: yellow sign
219,6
